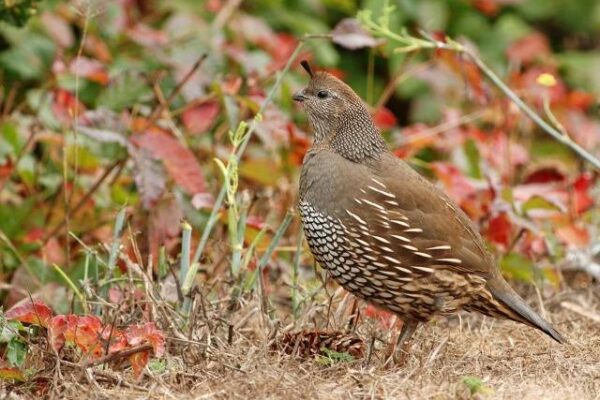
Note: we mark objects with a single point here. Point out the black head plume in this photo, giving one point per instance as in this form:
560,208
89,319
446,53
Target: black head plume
306,67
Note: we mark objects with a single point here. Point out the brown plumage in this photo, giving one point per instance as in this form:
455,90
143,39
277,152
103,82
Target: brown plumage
385,233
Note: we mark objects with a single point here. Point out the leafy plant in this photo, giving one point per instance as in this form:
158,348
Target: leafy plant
17,12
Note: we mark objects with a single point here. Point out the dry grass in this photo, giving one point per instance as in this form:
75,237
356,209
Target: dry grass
513,361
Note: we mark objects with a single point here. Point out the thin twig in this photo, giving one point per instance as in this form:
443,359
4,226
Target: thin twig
552,131
163,105
82,201
119,354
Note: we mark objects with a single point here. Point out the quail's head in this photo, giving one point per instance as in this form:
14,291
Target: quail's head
327,100
338,116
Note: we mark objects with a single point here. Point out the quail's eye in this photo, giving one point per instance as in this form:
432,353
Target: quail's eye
322,94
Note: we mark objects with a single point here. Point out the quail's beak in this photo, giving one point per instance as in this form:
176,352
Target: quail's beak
299,96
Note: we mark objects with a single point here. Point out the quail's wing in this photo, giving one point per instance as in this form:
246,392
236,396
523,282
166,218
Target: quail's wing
401,220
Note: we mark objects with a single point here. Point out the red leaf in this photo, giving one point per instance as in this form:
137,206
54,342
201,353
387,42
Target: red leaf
281,50
178,159
147,36
231,84
255,222
574,236
528,48
499,229
83,332
163,224
34,312
299,144
200,118
33,235
147,333
90,69
545,175
6,171
138,361
56,331
582,200
488,7
117,339
65,105
384,118
580,100
456,184
213,6
385,318
86,334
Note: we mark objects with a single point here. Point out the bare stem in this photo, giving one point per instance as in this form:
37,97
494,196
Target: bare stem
410,43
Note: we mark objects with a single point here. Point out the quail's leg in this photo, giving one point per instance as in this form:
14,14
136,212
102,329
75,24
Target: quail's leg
400,352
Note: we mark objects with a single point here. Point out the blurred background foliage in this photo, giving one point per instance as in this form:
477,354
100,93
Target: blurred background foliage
88,125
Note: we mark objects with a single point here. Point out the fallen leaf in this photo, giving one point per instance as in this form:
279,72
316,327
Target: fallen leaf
11,374
146,333
138,361
180,162
200,118
350,34
574,236
149,177
34,312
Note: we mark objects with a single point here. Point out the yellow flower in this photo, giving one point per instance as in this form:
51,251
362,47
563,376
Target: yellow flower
547,80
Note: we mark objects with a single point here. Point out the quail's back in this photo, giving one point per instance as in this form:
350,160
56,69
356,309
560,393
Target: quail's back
385,233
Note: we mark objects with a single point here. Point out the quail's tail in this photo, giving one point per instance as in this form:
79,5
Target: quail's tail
512,306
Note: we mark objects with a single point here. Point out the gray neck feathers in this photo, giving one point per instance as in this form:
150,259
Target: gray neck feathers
352,134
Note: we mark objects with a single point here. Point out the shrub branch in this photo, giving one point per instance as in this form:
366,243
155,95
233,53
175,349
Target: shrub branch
409,43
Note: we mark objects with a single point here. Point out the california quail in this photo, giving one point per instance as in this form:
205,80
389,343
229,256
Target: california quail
385,233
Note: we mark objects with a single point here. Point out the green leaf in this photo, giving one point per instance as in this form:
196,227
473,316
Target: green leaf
475,385
26,169
30,55
581,69
330,357
125,91
158,365
516,266
16,351
473,158
10,135
9,329
17,12
82,157
538,202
